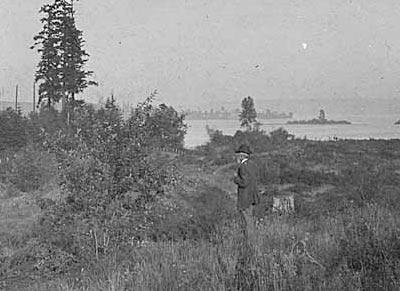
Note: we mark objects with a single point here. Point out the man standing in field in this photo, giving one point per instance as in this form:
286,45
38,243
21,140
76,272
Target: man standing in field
246,180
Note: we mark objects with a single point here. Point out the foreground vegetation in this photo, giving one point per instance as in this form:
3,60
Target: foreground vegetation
88,201
94,206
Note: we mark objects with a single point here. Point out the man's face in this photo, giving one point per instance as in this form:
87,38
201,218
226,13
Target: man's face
240,157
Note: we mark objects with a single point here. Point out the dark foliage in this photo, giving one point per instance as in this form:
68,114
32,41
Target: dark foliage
28,169
13,130
109,183
159,126
248,116
61,67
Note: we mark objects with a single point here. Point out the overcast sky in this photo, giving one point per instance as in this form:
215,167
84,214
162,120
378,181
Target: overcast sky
208,51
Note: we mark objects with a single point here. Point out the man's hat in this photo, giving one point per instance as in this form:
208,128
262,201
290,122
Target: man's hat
244,148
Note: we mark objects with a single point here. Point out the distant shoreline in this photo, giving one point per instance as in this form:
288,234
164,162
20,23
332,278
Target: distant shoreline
319,122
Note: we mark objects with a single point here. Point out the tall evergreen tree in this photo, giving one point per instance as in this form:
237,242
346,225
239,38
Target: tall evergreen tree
248,116
60,70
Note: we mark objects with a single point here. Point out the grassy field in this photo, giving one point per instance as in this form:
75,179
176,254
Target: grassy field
344,234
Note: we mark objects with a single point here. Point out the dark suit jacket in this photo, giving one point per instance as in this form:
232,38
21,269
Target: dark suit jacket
246,181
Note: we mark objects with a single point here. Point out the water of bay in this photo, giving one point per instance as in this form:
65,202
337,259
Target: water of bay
368,120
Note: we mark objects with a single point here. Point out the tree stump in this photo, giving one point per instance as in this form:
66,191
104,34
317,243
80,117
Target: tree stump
283,203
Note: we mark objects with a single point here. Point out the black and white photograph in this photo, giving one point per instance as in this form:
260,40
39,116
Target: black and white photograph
199,145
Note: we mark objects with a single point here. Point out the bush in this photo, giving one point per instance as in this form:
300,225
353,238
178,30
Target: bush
162,125
47,119
101,158
13,130
29,169
280,136
258,140
220,148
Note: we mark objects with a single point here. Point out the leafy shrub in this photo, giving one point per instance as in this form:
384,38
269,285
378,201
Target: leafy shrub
167,127
162,124
29,169
13,130
47,119
218,138
101,158
220,148
42,259
280,136
258,140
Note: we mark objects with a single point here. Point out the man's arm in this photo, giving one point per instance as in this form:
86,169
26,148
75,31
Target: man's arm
242,179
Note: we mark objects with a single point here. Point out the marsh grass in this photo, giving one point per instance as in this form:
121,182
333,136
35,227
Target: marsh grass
345,238
357,250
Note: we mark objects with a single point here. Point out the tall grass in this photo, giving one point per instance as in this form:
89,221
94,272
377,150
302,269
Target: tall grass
330,243
356,250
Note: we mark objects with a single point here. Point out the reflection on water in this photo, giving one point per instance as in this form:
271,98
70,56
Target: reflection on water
362,127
